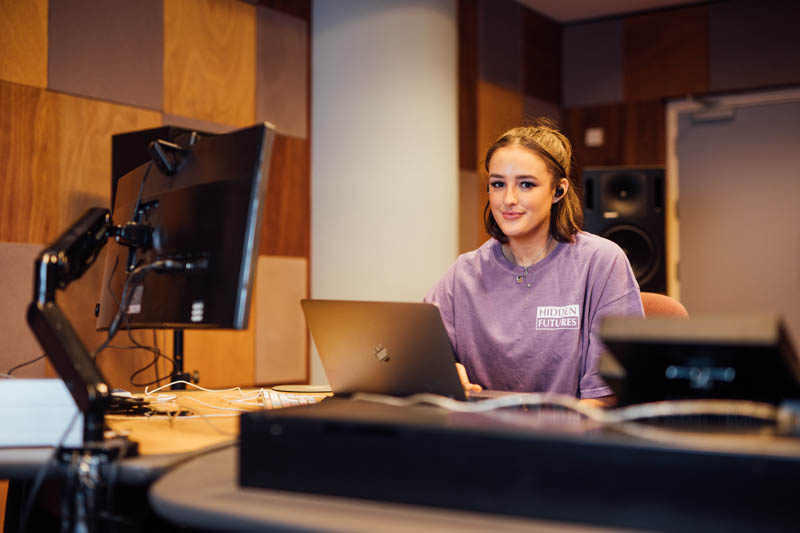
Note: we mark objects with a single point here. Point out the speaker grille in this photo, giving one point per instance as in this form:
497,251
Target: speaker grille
643,254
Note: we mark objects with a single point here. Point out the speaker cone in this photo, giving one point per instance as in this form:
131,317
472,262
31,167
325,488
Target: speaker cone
643,254
624,194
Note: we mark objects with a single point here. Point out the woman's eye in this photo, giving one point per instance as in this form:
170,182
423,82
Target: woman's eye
496,184
527,185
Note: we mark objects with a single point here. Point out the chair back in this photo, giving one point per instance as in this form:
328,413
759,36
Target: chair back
662,305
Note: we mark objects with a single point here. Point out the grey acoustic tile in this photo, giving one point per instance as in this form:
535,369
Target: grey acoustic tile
592,63
753,44
282,64
107,49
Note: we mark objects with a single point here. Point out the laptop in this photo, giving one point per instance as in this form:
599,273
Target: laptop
390,348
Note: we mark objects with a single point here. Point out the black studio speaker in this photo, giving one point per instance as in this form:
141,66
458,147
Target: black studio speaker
626,205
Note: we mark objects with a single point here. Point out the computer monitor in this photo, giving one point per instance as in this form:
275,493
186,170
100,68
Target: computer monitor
719,356
192,216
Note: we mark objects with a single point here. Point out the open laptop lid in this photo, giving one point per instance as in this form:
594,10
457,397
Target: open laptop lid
383,347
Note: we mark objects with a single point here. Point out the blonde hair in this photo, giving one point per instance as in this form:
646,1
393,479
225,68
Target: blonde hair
543,138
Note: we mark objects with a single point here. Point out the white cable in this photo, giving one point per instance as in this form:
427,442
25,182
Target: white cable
148,392
631,413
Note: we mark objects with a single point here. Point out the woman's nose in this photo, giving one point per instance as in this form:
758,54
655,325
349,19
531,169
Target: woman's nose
510,197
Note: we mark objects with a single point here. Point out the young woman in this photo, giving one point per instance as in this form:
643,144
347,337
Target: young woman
523,310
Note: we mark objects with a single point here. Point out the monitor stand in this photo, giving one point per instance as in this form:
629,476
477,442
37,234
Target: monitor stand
177,357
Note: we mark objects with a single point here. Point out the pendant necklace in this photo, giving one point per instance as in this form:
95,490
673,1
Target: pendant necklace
523,278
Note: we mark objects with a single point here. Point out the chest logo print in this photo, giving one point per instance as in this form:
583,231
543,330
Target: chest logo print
555,317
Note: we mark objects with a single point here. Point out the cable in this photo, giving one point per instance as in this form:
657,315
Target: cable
148,392
632,413
165,264
138,203
26,363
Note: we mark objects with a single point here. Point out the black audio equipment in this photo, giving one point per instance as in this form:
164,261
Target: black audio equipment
626,205
516,463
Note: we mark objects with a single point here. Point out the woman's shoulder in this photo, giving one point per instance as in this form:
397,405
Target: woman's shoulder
483,253
594,245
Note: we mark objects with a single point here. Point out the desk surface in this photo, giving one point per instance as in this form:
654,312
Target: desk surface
164,441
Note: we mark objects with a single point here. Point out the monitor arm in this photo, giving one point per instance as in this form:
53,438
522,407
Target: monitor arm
63,262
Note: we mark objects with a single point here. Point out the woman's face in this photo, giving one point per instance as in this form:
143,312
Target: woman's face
521,192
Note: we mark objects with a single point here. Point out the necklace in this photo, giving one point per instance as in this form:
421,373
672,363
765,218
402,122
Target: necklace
523,278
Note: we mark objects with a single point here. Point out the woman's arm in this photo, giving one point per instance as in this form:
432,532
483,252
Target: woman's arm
602,402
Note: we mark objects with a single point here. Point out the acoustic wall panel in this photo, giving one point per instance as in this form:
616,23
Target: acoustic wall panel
666,53
23,42
541,57
467,83
286,225
535,107
111,50
221,358
608,121
770,53
17,343
592,63
281,340
196,124
644,133
209,60
500,43
468,211
282,72
55,154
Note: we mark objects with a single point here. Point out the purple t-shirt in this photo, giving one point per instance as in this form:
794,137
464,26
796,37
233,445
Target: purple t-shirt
542,338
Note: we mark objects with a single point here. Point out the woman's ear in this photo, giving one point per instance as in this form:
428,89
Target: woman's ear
561,189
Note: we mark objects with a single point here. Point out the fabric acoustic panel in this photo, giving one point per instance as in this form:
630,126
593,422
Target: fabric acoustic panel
17,342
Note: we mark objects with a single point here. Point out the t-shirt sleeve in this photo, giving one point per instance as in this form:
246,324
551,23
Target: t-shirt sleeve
441,295
617,294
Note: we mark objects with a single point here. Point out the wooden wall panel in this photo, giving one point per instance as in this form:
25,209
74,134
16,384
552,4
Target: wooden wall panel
222,358
23,42
467,84
55,156
468,210
209,60
281,337
645,133
666,53
286,227
500,42
610,119
541,57
498,110
24,148
296,8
